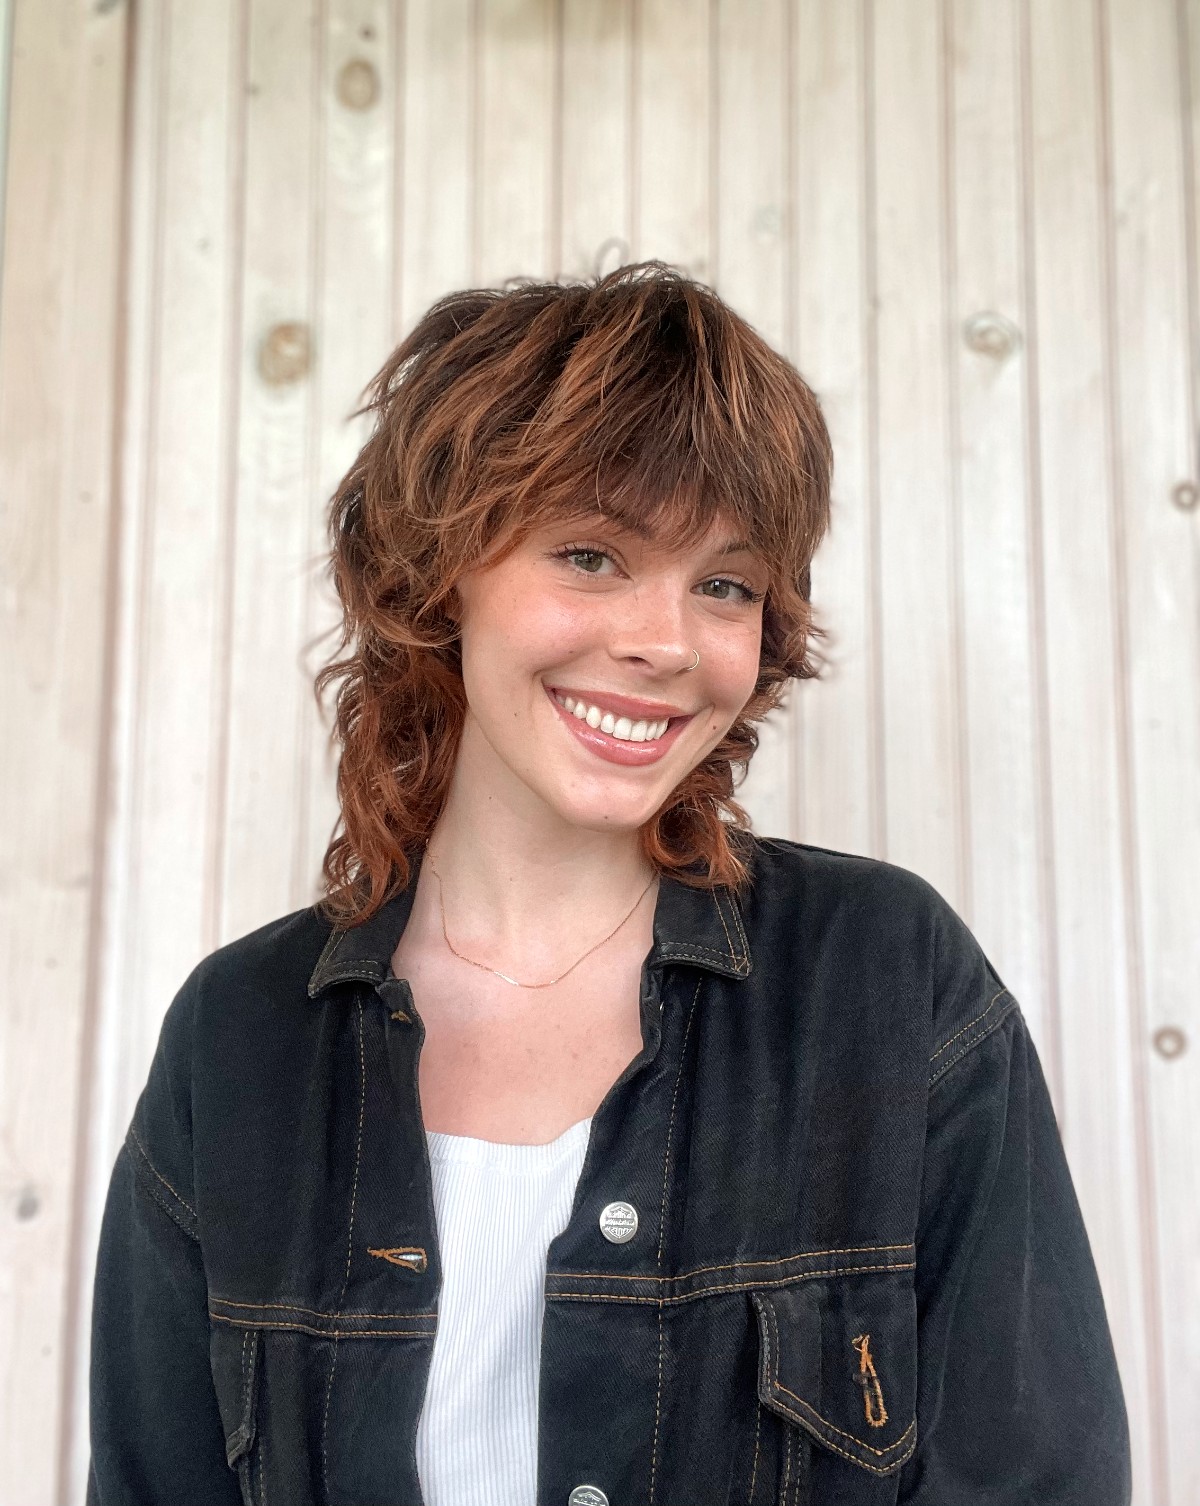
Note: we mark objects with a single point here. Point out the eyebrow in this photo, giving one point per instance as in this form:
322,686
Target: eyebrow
639,530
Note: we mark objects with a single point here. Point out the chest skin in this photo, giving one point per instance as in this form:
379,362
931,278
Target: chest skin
521,1065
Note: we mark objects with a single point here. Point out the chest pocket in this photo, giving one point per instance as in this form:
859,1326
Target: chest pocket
837,1369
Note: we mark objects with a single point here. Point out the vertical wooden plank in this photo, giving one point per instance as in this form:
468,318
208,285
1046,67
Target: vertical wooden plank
1178,1095
1097,1102
594,182
671,141
282,346
357,292
749,267
436,228
918,580
515,188
1158,603
1007,888
5,71
59,395
179,300
837,730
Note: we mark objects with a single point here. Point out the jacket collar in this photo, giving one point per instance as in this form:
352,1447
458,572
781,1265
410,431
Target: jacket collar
702,927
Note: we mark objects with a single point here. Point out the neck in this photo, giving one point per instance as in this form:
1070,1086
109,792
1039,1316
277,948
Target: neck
527,895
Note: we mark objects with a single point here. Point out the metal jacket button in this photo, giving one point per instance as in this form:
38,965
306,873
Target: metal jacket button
618,1222
587,1495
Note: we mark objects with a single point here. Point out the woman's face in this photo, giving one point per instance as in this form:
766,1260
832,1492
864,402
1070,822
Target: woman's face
611,622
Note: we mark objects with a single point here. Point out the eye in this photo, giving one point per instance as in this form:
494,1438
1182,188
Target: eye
749,594
587,559
571,551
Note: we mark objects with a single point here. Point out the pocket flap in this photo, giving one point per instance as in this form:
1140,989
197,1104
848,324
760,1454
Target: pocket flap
839,1358
234,1355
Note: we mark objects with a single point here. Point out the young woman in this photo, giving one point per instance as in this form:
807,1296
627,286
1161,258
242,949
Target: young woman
582,1147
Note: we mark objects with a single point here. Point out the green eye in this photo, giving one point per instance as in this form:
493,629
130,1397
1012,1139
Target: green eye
751,595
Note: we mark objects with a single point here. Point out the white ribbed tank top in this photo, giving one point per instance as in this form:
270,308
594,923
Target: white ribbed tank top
498,1206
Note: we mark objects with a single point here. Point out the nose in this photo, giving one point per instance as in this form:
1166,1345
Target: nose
654,628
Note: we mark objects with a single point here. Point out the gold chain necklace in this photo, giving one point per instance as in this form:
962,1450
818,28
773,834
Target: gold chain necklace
507,979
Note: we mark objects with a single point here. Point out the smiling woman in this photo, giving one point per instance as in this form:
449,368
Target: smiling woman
582,1147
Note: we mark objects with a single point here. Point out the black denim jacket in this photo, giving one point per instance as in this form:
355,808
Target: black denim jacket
859,1274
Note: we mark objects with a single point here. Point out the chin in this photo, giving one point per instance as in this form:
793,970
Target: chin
605,815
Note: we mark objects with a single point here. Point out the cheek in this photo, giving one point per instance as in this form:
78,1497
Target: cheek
539,630
734,667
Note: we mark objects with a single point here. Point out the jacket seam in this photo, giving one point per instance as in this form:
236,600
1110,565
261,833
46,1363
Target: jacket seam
327,951
362,1100
662,1225
142,1166
327,1333
735,1265
151,1191
980,1035
967,1026
314,1312
733,1286
739,958
145,1156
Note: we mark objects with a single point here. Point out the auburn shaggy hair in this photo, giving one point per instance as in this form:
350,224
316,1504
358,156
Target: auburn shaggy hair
639,398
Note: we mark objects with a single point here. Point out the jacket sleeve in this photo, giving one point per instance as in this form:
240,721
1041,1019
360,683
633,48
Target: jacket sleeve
1019,1396
156,1433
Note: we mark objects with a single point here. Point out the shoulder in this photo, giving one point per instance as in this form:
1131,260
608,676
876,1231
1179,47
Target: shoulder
827,876
276,959
886,929
807,891
246,983
237,1006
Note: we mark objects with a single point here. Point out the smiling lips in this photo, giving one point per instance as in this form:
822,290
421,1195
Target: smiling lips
617,749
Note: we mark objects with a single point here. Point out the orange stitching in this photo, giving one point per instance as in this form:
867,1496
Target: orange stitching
869,1381
158,1174
742,1265
325,1333
824,1421
736,1286
662,1231
393,1254
317,1312
966,1027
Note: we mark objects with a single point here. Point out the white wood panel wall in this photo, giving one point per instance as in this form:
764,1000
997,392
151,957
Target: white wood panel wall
972,223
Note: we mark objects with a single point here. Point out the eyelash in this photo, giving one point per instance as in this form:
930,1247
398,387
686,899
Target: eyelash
567,550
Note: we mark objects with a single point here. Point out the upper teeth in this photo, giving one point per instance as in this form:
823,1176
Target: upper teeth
616,726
